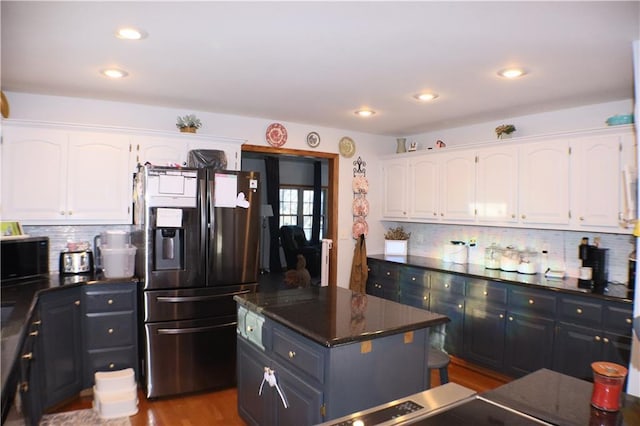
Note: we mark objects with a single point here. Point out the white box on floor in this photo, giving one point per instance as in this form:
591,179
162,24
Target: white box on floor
112,381
111,405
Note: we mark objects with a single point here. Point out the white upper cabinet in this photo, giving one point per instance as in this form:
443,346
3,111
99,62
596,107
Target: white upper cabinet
34,174
56,175
158,150
423,187
458,186
395,175
497,185
599,196
544,183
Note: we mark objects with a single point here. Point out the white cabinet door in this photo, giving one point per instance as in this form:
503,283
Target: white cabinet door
34,174
423,187
497,185
544,183
99,182
394,189
158,150
458,186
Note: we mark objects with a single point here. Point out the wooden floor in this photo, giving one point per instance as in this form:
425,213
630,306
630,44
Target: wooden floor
220,408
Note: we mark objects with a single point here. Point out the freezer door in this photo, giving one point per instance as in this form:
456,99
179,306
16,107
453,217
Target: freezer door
190,356
234,227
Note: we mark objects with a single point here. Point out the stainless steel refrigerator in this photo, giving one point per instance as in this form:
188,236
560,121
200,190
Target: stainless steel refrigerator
197,234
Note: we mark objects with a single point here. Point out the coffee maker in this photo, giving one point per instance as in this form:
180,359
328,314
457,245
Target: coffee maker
595,258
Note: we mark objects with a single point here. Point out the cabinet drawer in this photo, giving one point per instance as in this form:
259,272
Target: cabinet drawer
417,276
293,352
414,295
110,360
579,311
617,318
110,330
446,283
488,291
98,300
531,301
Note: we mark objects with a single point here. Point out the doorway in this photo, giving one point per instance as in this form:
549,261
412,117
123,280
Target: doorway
332,193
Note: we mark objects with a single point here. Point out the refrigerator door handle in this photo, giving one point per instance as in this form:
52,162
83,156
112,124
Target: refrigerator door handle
180,299
195,329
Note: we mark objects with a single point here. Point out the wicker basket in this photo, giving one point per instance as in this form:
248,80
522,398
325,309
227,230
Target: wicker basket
188,129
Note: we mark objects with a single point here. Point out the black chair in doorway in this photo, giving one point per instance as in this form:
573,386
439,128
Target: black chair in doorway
294,242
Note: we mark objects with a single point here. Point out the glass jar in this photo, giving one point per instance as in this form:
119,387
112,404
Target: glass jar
492,255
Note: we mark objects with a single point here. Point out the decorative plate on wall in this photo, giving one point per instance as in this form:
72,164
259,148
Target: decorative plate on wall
276,135
360,206
360,185
347,147
313,139
360,227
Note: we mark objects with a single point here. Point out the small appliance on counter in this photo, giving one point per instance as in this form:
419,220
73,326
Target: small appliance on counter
77,258
115,254
594,273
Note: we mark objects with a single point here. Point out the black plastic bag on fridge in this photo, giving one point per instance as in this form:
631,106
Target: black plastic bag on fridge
207,158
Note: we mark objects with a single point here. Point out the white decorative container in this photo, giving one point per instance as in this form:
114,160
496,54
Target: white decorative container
395,247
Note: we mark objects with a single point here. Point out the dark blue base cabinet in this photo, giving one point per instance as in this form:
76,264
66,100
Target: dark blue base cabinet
511,328
322,383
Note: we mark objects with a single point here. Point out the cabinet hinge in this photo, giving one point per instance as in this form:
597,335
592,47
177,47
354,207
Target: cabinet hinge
569,214
620,147
323,410
477,160
130,148
569,150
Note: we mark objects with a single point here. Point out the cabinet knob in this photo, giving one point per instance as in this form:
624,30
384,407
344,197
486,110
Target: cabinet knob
441,214
33,333
501,316
24,387
513,216
446,286
77,303
597,338
28,355
485,292
581,218
249,328
460,305
510,318
531,301
388,273
61,213
628,320
292,354
605,339
524,216
413,278
110,331
425,297
110,302
435,213
70,212
579,310
112,366
37,322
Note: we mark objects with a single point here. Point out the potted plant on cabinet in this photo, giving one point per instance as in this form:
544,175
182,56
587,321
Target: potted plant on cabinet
396,241
505,130
189,123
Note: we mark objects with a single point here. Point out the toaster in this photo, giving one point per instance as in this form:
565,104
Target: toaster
76,262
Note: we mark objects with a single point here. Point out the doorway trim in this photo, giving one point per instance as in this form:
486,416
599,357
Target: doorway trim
332,193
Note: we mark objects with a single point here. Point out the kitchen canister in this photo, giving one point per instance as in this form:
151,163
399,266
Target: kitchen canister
608,379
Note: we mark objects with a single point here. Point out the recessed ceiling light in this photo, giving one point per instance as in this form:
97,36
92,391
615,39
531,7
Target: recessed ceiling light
426,96
114,73
130,33
511,72
364,112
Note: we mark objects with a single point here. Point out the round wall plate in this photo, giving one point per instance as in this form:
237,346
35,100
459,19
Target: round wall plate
347,147
313,139
276,135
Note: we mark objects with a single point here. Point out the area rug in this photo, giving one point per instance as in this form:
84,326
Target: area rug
86,417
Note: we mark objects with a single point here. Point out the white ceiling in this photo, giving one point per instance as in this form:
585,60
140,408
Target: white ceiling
317,62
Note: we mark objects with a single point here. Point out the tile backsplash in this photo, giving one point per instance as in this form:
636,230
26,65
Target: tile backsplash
562,246
60,235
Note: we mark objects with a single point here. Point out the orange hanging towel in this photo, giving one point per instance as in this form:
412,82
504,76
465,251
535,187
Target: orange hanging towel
359,268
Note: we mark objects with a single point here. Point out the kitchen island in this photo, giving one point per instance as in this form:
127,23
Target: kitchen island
310,355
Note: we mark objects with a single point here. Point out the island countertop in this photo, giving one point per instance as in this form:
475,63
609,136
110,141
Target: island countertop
333,316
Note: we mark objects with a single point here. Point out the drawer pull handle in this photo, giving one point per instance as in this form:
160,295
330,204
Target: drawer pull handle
37,322
33,333
597,338
110,302
579,310
112,366
110,331
28,355
292,354
531,301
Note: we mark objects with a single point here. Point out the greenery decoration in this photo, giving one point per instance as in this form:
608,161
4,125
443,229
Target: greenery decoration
505,129
397,234
189,120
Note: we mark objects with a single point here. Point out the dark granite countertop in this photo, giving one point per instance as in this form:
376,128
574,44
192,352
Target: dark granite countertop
616,292
18,299
561,400
333,316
